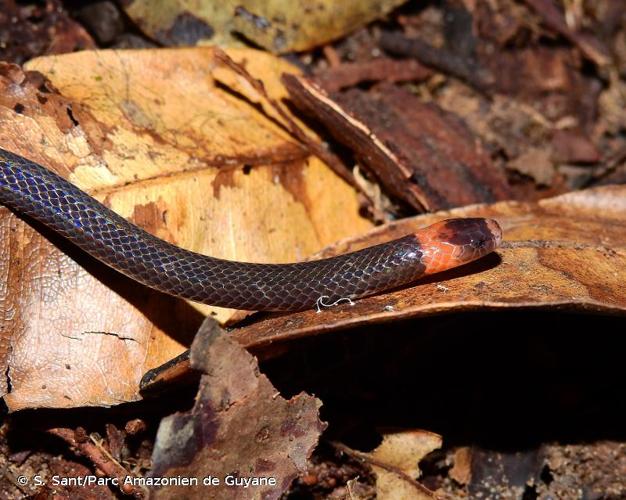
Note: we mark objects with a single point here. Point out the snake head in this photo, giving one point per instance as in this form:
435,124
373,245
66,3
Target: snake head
453,242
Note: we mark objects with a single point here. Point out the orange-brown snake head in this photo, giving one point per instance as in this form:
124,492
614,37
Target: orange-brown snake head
453,242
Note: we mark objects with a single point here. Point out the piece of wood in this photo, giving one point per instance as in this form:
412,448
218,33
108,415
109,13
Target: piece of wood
420,153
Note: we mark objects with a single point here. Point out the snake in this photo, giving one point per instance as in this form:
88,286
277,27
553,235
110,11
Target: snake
33,191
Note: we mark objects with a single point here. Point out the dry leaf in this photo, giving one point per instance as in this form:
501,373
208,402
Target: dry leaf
395,462
277,25
588,44
535,163
402,451
573,146
420,153
239,427
30,30
461,471
191,162
563,252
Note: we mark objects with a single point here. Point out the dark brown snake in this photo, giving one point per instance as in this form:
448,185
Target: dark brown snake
31,189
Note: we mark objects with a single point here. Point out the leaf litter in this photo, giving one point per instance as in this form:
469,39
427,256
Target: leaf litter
539,89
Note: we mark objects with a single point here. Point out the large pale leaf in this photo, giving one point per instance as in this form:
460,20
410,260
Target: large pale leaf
564,252
277,25
187,158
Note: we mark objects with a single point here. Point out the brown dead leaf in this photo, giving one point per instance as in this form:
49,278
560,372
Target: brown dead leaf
588,44
486,51
466,67
461,471
187,159
573,146
279,25
563,252
239,427
507,125
30,30
611,103
535,163
548,79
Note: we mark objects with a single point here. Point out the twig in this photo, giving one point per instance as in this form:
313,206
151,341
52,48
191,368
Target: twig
88,448
366,457
440,59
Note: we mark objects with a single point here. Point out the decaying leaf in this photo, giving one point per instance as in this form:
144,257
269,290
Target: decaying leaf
573,146
563,252
27,31
588,44
536,163
277,25
401,452
461,470
192,162
395,462
466,67
421,154
185,144
240,429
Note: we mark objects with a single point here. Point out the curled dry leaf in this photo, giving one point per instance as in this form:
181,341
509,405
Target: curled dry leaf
401,452
395,462
191,162
404,449
422,154
563,252
461,470
239,427
278,25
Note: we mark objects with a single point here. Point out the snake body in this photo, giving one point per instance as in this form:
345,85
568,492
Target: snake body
32,190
